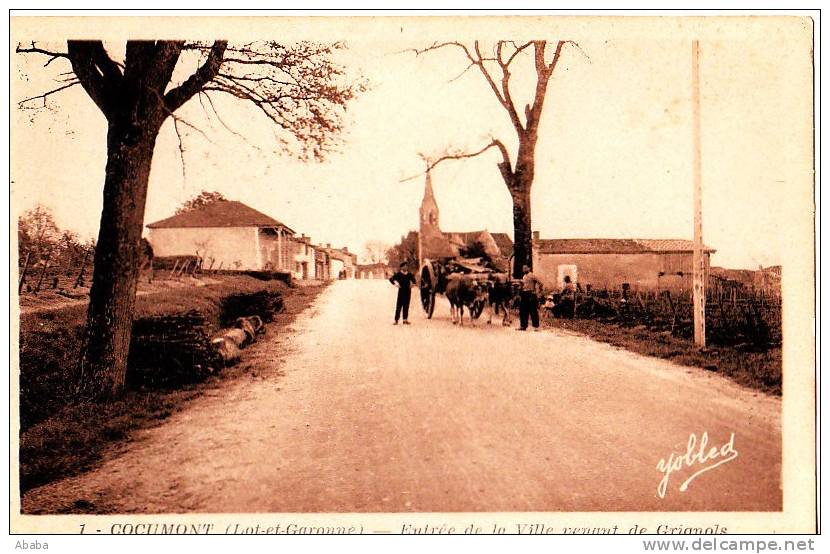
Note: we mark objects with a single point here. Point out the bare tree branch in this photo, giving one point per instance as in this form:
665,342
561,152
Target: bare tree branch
22,103
176,97
578,47
519,49
222,121
35,50
462,73
477,59
99,77
296,87
505,86
181,148
438,46
460,156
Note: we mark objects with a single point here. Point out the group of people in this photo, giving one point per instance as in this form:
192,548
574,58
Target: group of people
529,296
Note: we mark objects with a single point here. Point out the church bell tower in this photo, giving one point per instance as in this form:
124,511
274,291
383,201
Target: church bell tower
428,229
431,241
429,207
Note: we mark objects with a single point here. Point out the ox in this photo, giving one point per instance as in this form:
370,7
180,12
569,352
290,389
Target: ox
464,292
502,295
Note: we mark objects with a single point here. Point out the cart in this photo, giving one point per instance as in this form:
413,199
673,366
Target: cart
434,275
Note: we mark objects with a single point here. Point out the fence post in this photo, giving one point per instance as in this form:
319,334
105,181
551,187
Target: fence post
673,310
22,278
43,272
184,266
727,329
80,278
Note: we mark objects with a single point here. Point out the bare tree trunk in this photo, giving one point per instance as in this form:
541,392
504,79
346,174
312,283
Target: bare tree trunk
522,230
103,363
519,183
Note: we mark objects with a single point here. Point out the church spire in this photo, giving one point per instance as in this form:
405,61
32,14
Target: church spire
429,206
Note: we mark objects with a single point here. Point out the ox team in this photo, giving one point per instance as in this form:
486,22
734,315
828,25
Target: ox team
498,295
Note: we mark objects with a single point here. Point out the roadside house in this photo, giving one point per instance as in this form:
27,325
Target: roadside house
341,263
322,263
227,234
653,264
305,266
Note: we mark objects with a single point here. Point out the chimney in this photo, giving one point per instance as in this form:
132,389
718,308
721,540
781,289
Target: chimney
535,235
328,245
346,249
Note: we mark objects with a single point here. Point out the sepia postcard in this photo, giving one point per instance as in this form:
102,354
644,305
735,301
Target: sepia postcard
379,273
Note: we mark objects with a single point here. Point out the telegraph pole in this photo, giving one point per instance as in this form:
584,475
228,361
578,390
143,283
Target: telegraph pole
699,259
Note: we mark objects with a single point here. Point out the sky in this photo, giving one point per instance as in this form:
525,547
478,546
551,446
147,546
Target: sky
614,156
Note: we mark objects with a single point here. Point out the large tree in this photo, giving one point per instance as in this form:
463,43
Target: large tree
375,251
517,172
405,251
37,233
298,87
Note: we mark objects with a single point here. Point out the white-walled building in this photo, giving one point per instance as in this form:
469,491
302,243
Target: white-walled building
226,234
305,256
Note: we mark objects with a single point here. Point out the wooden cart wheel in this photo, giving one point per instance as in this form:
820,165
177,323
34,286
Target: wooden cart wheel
427,288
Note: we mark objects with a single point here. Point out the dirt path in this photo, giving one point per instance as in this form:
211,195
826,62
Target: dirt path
349,414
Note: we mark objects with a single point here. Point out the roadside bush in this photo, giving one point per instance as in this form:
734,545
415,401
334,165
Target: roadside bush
170,343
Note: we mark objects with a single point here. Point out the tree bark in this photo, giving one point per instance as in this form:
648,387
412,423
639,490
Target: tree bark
520,182
522,230
130,141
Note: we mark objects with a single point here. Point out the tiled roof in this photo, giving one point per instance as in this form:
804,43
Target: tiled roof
464,237
670,245
225,213
436,247
615,246
504,242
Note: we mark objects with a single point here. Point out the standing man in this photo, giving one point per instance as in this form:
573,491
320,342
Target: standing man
529,306
404,280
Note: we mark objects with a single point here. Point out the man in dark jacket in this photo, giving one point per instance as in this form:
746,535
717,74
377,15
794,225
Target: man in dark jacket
404,280
529,306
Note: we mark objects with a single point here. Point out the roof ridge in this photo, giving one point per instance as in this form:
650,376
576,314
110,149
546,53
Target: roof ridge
221,213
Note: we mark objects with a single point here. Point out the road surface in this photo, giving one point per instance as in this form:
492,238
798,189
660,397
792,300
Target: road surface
346,413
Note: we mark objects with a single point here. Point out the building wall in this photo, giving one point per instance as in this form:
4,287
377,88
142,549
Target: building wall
228,246
320,270
269,246
336,265
641,271
278,249
372,272
350,265
304,256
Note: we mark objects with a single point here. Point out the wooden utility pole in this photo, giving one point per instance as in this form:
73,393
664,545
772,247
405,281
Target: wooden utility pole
699,260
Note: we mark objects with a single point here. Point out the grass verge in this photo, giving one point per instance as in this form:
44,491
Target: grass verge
69,438
749,366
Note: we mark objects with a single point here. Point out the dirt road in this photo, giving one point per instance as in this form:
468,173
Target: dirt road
349,414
